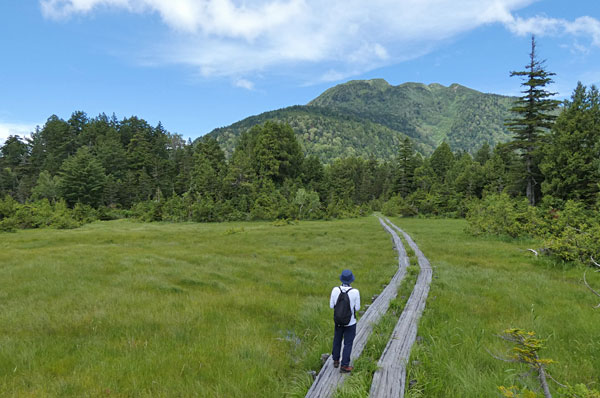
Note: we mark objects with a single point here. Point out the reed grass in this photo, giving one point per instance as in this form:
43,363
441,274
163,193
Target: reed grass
124,309
482,286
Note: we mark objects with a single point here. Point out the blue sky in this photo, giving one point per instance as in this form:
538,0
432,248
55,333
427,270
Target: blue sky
196,65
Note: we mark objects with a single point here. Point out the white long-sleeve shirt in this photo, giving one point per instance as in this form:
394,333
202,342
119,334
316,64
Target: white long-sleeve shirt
354,297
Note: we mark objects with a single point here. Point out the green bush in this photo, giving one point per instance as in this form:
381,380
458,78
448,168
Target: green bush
36,214
43,214
499,214
570,234
146,211
8,225
397,205
8,207
84,213
175,209
266,206
576,244
204,209
106,213
63,217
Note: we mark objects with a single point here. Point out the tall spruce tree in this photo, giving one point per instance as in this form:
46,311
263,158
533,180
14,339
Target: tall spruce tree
571,164
406,166
533,116
82,178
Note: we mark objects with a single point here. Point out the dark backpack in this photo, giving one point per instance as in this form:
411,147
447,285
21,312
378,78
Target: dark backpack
342,313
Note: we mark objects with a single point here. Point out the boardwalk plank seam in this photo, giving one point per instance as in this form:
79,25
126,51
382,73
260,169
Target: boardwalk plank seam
330,378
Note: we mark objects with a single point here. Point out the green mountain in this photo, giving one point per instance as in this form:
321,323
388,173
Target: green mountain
370,118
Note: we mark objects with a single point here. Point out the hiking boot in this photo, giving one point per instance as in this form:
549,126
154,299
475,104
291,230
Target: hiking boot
346,369
336,364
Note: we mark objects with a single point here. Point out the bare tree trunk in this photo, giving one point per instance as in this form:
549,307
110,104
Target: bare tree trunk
530,182
543,381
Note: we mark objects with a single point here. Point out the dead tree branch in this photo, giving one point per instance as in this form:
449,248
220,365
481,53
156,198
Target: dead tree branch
500,358
530,250
525,351
589,287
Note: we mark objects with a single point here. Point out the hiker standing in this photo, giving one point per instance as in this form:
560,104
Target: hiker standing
345,301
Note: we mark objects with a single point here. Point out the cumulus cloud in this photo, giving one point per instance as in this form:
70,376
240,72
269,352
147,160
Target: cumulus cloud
8,129
543,26
240,37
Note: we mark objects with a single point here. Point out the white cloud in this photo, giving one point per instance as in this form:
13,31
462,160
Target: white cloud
8,129
243,83
586,27
236,38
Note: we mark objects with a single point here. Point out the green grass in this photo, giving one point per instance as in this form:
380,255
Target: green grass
123,309
483,286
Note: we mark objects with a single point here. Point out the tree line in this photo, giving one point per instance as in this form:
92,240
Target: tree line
128,167
104,162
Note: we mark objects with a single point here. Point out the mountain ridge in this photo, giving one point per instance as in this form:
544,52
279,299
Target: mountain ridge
369,118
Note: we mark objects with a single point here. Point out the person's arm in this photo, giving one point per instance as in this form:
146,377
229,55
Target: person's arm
357,303
333,298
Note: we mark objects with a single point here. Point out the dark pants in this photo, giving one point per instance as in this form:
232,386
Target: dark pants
347,333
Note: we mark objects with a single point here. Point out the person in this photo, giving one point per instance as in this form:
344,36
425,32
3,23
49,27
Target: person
345,332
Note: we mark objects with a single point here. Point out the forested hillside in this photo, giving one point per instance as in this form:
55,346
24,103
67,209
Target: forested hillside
367,118
325,132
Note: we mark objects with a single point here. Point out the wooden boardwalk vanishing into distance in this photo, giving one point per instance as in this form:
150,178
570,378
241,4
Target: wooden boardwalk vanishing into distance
390,378
394,369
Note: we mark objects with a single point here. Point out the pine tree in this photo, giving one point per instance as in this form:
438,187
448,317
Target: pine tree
571,164
82,178
533,117
442,160
406,166
483,154
13,158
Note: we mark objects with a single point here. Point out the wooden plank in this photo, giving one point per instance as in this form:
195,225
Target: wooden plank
390,378
330,378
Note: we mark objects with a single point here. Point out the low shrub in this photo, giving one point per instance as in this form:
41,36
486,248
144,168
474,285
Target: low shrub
570,234
8,225
8,207
43,214
499,214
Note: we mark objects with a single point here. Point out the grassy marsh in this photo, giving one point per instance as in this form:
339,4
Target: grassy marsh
483,286
125,309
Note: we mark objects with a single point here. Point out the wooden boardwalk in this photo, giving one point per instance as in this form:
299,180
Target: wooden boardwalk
390,379
329,378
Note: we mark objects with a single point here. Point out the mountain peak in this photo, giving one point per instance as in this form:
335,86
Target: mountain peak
436,86
371,117
378,83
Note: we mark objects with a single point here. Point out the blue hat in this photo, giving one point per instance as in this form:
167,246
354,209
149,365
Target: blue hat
347,276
